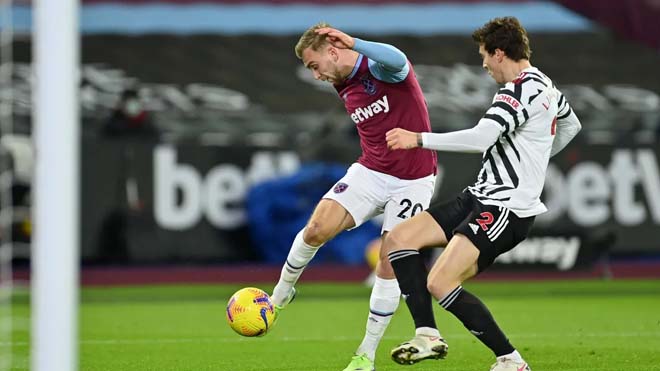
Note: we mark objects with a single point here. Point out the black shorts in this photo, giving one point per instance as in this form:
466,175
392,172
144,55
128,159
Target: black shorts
494,230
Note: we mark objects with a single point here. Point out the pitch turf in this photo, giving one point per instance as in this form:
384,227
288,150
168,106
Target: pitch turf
585,325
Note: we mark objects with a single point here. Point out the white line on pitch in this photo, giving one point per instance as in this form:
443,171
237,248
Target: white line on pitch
333,338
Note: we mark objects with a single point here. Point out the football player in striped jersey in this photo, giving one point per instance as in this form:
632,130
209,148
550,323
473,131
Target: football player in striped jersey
528,121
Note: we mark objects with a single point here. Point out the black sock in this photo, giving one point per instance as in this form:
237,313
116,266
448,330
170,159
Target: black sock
477,318
411,273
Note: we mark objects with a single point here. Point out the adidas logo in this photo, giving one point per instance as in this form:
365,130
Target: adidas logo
474,227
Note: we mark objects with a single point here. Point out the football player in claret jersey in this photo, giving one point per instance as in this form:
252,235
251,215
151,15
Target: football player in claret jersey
378,87
528,121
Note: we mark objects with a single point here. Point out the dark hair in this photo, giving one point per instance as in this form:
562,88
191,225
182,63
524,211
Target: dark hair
506,34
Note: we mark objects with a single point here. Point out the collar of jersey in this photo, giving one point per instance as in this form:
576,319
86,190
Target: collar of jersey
356,67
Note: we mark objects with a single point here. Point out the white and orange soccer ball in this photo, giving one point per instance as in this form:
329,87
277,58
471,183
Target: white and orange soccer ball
250,312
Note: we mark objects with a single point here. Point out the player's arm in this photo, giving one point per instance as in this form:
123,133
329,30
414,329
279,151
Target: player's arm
503,116
568,125
386,62
474,140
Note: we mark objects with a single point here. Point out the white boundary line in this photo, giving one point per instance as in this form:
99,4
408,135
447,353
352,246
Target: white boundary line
651,334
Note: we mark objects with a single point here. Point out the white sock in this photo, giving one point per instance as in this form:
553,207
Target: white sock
427,331
299,256
384,300
515,356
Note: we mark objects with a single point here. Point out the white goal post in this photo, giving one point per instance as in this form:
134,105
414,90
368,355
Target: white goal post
55,250
6,182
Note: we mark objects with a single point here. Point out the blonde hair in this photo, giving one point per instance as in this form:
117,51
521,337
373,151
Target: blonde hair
310,39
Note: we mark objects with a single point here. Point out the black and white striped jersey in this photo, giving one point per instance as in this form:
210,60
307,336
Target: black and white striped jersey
513,168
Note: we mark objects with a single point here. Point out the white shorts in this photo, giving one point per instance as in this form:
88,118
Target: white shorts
365,193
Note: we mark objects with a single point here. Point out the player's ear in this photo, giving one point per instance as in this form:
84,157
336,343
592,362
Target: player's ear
334,53
499,54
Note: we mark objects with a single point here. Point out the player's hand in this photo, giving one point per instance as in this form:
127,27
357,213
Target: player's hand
398,138
337,38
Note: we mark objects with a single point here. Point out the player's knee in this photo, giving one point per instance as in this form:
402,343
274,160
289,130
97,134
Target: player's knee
440,285
396,240
386,247
436,289
382,255
384,269
316,233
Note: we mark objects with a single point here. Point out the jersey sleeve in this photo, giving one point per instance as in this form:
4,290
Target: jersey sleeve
507,111
564,108
475,140
386,62
568,125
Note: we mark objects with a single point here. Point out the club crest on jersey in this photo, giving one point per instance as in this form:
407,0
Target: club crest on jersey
368,84
340,187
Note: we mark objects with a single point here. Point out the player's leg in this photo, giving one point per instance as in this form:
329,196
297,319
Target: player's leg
457,264
400,199
328,219
348,204
402,247
475,245
383,302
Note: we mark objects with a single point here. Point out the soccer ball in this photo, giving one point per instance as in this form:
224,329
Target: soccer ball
250,312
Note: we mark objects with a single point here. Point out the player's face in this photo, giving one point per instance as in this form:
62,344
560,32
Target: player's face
491,63
322,63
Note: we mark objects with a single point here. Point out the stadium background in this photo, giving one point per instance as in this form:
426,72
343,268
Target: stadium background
228,97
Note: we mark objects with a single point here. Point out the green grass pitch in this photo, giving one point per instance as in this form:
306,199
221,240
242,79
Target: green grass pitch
567,325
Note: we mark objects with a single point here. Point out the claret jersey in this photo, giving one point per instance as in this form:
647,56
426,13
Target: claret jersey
377,106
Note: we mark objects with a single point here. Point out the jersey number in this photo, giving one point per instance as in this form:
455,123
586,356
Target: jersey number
486,221
407,205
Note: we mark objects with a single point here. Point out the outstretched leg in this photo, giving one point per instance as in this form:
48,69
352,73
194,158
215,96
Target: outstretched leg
328,219
456,264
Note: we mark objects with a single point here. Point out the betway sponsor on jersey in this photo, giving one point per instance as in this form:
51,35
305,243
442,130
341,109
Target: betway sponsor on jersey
363,113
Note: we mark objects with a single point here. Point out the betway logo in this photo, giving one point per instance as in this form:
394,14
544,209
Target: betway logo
183,194
363,113
559,251
625,191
